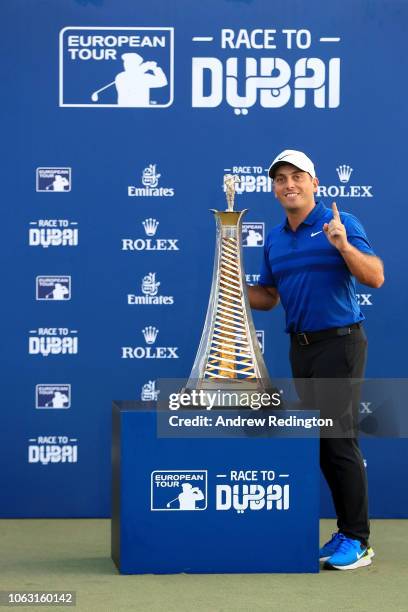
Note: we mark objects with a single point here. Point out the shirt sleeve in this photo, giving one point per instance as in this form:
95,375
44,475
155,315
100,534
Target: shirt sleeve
266,278
356,235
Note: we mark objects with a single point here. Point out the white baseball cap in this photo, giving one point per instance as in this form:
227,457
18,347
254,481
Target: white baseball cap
296,158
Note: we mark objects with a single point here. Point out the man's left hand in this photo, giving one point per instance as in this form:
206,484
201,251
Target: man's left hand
335,231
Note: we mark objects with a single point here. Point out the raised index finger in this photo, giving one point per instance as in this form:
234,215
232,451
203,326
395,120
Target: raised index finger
336,214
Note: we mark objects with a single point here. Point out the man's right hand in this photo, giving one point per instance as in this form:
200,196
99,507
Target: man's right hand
262,298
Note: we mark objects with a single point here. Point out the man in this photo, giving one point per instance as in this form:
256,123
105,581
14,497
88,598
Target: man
310,264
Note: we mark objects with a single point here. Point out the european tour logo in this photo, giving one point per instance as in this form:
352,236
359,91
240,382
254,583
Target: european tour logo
128,67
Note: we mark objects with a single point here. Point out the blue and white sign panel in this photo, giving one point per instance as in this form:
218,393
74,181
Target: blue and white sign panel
121,122
201,507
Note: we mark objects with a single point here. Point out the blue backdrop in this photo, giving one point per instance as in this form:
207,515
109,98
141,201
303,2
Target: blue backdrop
108,241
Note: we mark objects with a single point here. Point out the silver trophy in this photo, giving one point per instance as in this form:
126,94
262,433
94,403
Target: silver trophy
229,354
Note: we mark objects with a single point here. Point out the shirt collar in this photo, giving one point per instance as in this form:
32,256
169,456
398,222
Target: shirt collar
315,214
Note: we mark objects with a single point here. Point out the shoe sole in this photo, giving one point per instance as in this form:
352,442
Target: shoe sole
366,560
370,553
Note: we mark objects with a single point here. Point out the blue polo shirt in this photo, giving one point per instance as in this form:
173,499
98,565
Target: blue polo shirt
316,288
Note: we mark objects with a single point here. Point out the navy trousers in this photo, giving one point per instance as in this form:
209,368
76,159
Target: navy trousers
328,376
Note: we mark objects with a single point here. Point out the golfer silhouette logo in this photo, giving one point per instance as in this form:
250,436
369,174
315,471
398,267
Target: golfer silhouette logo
253,238
59,400
188,498
59,183
60,292
134,83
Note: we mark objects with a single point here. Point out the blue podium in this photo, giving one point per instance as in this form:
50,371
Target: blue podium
212,504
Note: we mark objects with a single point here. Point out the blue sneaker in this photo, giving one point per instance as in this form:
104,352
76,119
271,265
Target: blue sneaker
350,554
331,546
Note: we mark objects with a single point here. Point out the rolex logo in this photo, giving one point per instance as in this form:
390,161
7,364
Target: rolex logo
150,334
150,244
150,225
344,189
150,352
344,173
